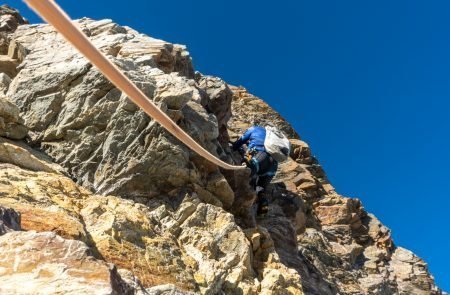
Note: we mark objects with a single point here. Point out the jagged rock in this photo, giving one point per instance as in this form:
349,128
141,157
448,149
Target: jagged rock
411,273
220,188
124,234
11,124
301,152
157,210
8,65
273,270
9,220
254,110
147,51
22,155
4,43
44,263
8,111
45,201
93,131
10,19
379,233
333,213
192,245
5,80
117,230
331,237
218,249
218,101
296,177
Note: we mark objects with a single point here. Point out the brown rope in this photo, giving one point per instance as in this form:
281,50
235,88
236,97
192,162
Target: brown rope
55,16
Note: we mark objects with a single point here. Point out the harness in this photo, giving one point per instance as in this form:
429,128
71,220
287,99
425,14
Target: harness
249,159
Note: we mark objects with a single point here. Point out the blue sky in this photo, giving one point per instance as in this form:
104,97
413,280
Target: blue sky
365,83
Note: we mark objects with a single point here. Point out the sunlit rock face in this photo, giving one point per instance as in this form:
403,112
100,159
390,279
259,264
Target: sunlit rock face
97,198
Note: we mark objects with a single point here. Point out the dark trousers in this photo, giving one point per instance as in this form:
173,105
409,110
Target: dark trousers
263,168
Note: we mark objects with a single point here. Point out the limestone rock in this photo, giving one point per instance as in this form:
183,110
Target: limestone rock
411,273
124,234
219,187
218,101
11,124
218,249
22,155
8,65
44,263
335,213
96,170
46,202
5,80
91,129
180,240
254,110
116,230
10,19
330,241
276,274
379,233
148,51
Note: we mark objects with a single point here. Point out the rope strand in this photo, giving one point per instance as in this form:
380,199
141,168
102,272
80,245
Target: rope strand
55,16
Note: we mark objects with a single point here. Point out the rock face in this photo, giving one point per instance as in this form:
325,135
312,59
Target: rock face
10,19
44,263
11,124
330,240
124,208
85,124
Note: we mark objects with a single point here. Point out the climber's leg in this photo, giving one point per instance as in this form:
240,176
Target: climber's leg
262,205
266,174
261,191
252,163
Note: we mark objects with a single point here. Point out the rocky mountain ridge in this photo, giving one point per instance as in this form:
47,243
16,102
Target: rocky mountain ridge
97,198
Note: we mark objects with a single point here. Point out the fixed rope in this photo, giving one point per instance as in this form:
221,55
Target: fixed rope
55,16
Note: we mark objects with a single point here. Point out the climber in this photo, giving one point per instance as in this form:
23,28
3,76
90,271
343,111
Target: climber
262,165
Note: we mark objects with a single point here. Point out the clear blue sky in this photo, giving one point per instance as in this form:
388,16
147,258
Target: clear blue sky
365,83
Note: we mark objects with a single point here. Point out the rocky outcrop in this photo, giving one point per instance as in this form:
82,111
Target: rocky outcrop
85,124
44,263
10,19
20,154
127,208
330,240
11,124
178,239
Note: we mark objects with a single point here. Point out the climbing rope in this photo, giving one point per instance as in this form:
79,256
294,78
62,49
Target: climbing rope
55,16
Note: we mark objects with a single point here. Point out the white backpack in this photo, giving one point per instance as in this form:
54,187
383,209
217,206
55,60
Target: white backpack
277,144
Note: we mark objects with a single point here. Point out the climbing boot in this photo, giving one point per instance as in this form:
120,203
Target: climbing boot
262,207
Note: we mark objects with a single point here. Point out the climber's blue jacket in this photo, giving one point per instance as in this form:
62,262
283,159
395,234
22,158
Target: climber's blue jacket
254,138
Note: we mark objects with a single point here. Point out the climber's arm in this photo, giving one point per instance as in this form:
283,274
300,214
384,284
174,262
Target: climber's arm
244,139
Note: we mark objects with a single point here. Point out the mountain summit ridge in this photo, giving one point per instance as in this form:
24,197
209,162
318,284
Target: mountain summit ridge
106,197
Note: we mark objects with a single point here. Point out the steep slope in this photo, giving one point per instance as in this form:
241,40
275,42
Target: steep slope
94,168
